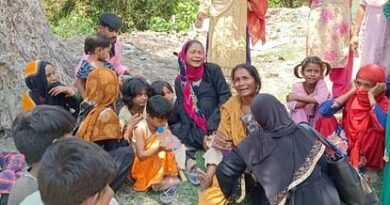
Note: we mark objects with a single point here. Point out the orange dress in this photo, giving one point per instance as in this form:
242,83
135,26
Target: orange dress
153,169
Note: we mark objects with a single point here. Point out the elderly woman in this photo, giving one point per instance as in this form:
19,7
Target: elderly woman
364,119
285,159
236,123
201,90
101,123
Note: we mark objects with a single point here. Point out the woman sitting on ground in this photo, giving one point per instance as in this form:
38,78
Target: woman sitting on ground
201,90
285,159
45,89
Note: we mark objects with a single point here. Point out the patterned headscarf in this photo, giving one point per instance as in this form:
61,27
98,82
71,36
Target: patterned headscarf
101,123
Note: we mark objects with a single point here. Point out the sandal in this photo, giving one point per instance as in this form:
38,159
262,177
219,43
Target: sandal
167,196
192,177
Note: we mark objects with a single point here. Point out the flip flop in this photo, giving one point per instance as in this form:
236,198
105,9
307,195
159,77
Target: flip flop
167,196
192,177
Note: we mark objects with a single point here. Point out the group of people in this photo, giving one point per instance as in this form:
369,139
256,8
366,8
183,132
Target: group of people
129,130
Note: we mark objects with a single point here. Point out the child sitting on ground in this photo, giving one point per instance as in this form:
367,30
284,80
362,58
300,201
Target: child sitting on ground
40,78
164,89
135,94
110,24
306,96
11,167
155,162
98,47
33,132
74,172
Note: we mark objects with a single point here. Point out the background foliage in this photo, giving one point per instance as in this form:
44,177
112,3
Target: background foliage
75,17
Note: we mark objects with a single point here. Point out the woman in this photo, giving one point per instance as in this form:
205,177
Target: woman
231,21
101,123
328,38
201,90
236,123
45,89
285,159
364,118
374,32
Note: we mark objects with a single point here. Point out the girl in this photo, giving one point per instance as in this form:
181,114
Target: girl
135,94
163,88
305,96
45,89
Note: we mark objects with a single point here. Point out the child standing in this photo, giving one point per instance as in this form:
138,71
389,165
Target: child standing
155,163
305,96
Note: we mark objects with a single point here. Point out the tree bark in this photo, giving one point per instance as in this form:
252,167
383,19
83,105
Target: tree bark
25,35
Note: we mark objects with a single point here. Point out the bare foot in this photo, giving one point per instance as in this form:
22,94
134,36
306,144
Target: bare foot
166,183
204,178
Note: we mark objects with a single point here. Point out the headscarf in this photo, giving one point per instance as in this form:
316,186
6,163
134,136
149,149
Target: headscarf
36,81
102,89
187,75
256,20
280,154
358,110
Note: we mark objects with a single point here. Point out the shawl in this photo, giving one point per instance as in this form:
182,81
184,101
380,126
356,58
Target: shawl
256,20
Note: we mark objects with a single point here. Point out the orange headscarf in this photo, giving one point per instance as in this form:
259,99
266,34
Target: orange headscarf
101,123
256,20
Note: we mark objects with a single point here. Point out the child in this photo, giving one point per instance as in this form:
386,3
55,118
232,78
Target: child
45,89
98,47
164,89
74,172
11,167
110,25
135,94
155,164
305,96
33,132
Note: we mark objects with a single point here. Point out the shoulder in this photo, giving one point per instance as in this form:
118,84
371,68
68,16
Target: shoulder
33,199
106,114
232,103
108,64
212,66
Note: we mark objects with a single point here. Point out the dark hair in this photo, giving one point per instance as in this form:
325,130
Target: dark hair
111,21
298,69
252,71
131,88
159,107
73,170
189,43
34,131
98,40
157,87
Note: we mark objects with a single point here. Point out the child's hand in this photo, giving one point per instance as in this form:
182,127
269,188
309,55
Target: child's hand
377,89
290,97
135,119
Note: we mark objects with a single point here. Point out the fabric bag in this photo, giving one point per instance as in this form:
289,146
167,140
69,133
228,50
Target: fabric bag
352,188
339,139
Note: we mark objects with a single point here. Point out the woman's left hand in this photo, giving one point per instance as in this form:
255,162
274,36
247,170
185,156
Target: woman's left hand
68,91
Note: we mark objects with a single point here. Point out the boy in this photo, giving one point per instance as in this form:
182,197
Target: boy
74,172
110,24
11,167
98,47
33,132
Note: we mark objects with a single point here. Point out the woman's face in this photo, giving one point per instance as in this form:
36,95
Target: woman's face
244,83
50,74
141,98
168,94
195,55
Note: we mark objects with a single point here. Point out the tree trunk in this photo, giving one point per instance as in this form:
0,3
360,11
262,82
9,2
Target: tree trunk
25,35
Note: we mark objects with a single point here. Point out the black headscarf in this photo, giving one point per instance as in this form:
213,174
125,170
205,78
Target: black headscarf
279,152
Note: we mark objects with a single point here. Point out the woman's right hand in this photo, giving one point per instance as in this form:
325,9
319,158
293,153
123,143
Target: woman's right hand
354,43
199,19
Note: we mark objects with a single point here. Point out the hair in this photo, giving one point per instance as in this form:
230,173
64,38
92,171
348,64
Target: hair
157,87
98,40
299,69
159,107
72,170
34,131
252,72
131,88
189,43
111,21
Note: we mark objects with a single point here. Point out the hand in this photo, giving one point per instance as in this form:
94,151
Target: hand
167,140
68,91
222,141
208,141
199,19
377,89
249,6
354,43
105,196
290,97
130,126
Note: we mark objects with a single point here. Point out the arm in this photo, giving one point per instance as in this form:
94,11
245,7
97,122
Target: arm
291,99
143,154
379,116
326,109
80,85
117,59
223,94
355,32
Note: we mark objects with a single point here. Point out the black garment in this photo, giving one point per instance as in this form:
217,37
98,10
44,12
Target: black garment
212,92
123,156
71,103
283,156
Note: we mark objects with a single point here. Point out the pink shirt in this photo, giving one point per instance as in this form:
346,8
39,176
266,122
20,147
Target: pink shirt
115,60
310,112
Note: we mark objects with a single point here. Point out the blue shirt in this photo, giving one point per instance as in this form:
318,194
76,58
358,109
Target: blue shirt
86,68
